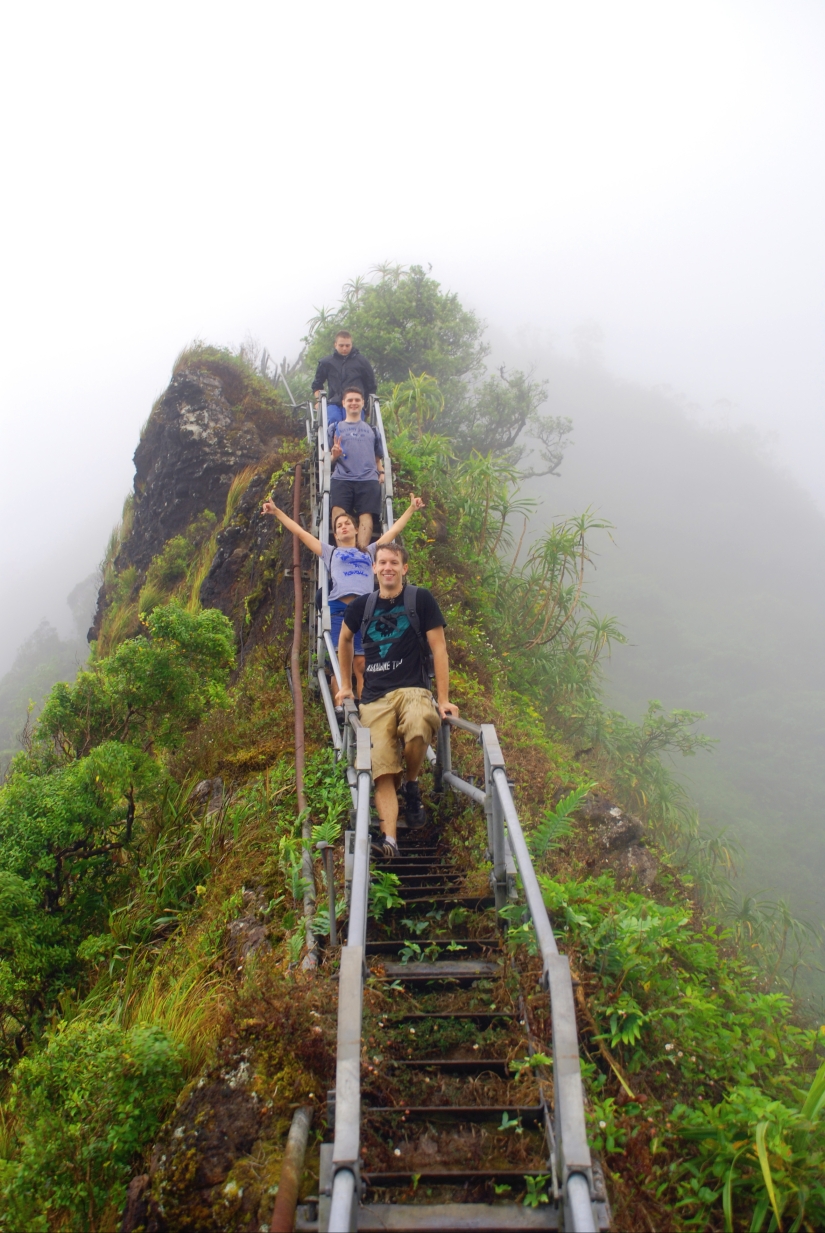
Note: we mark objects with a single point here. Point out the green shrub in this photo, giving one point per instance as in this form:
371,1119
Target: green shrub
78,798
83,1107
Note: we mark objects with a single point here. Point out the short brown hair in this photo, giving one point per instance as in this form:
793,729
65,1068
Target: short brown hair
394,546
353,389
342,334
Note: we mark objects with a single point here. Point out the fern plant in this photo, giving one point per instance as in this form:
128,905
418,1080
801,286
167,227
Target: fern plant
384,893
556,824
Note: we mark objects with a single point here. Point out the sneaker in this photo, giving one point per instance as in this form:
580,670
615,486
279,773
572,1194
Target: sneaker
383,848
412,801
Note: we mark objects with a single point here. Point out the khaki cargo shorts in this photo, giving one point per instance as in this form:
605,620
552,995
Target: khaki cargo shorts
394,720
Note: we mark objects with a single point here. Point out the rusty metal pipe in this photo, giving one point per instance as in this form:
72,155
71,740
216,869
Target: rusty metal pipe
298,701
292,1168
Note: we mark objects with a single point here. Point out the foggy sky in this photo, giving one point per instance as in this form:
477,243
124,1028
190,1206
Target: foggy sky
184,170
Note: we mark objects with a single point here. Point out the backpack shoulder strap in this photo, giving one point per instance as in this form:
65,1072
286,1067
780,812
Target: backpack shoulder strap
427,670
410,593
369,609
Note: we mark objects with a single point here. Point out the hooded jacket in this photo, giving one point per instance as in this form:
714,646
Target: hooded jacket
339,371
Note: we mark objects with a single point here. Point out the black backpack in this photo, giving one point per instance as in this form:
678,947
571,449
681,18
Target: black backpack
409,593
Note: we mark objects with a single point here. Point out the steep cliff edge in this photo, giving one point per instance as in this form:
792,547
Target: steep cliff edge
216,420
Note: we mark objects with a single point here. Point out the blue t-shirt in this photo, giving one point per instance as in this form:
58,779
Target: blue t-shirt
350,570
361,446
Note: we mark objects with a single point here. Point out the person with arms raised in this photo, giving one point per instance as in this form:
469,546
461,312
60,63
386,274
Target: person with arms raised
350,569
344,366
401,626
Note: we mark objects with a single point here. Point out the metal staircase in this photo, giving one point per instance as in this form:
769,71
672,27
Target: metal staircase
446,1107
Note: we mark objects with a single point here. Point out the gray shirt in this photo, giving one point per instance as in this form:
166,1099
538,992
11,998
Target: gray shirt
361,446
350,570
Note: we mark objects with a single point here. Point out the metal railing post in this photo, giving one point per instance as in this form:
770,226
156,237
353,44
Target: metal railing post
388,490
443,756
493,761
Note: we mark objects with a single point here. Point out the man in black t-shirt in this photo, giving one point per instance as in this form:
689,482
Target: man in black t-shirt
396,704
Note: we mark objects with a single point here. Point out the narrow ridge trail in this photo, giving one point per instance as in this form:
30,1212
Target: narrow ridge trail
458,1099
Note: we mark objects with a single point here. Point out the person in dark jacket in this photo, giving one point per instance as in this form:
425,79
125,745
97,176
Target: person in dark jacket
345,366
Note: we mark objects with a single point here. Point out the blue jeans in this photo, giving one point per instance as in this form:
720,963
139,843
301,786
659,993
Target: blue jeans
337,608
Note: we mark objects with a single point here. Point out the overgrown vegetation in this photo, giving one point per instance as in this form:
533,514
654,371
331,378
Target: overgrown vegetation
81,1108
731,1151
129,900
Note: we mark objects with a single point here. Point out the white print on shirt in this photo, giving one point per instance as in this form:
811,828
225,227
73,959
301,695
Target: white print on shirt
390,666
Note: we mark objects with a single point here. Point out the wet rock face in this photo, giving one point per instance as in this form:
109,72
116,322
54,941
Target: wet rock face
619,841
248,579
636,864
203,431
184,1189
195,443
248,934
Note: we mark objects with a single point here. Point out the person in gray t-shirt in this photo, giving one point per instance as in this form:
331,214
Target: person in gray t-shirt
358,468
350,568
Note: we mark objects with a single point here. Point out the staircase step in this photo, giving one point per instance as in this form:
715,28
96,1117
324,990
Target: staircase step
446,1217
530,1115
459,969
456,1065
474,903
503,1217
395,944
454,1177
480,1017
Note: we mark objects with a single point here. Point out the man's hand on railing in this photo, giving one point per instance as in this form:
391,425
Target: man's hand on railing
342,693
448,710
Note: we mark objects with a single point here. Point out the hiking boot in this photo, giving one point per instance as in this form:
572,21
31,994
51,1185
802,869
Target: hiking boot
383,848
412,803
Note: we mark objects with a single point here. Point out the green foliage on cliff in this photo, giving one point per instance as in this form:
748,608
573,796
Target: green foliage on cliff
404,322
427,349
83,1106
73,799
124,899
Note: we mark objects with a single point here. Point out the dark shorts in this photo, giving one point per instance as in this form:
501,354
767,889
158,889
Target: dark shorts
337,608
356,496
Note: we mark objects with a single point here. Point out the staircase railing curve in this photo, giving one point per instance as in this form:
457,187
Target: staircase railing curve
511,863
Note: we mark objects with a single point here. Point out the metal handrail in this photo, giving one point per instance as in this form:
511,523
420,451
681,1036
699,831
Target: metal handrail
389,491
507,842
510,857
346,1147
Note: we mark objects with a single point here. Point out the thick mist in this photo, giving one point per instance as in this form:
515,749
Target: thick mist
715,573
654,168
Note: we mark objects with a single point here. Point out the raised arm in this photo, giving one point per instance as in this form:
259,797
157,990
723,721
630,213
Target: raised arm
314,545
416,503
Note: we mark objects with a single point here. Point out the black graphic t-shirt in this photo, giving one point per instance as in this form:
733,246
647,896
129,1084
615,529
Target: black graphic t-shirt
391,647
